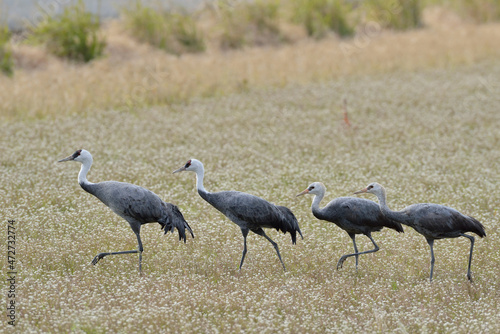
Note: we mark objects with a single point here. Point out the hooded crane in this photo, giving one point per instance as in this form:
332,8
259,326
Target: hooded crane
353,215
433,221
135,204
249,212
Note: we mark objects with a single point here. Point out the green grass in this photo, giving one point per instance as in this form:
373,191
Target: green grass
6,61
250,23
322,16
398,14
173,31
74,34
427,136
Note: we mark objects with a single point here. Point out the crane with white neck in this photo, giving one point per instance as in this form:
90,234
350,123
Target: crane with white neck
353,215
137,205
249,212
433,221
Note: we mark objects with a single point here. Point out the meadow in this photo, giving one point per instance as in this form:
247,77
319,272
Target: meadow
423,124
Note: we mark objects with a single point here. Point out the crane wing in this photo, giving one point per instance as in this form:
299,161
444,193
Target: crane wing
440,220
252,212
129,201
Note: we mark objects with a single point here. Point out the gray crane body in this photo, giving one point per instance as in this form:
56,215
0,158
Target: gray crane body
436,221
135,204
353,215
252,212
249,212
433,221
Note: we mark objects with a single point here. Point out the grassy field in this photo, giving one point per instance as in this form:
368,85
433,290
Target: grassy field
427,136
132,75
425,125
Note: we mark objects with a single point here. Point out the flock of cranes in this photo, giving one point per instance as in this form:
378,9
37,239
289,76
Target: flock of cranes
140,206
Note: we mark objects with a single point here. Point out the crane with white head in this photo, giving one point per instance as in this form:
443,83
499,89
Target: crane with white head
353,215
433,221
137,205
249,212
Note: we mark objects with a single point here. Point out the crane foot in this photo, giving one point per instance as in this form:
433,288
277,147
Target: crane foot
341,262
98,257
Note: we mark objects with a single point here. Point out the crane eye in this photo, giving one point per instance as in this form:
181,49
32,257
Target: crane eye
188,164
77,153
311,187
370,187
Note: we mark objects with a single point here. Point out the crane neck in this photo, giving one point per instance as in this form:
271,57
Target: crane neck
382,198
200,173
393,215
317,199
82,176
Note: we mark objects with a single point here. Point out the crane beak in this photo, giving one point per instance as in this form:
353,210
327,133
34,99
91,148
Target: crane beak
361,191
67,158
303,193
179,170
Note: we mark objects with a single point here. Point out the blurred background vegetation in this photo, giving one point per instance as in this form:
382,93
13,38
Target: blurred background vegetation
155,55
6,63
75,33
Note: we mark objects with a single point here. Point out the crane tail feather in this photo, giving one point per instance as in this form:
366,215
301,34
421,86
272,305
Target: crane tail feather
476,227
289,223
173,219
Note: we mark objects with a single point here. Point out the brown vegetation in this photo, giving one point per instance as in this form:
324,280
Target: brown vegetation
134,74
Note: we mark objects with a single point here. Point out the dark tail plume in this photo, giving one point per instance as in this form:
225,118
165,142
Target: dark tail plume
173,219
475,226
289,223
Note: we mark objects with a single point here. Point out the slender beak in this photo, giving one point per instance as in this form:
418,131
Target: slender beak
303,193
179,170
66,159
361,191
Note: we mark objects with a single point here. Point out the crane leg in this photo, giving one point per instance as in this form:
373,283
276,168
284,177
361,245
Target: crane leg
353,237
245,234
101,255
140,250
431,245
471,238
275,245
356,254
139,244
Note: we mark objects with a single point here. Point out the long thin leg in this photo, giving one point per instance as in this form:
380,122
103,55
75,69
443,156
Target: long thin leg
344,257
431,244
101,255
275,245
471,238
245,234
139,243
140,250
353,237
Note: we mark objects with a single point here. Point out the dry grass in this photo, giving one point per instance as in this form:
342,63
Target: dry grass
429,135
134,75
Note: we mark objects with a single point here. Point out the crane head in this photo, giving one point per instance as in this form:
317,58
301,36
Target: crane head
372,188
314,188
79,155
191,165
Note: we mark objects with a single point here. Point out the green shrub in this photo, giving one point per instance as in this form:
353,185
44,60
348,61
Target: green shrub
233,29
321,16
73,34
6,62
396,14
175,32
251,23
